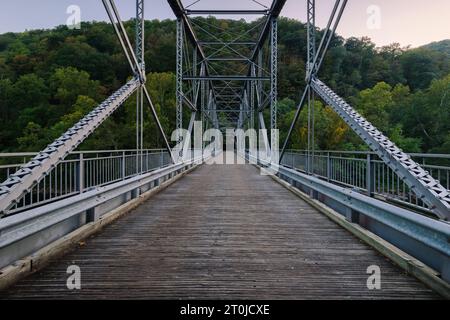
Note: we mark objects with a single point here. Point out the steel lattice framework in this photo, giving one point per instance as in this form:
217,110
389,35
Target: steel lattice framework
235,74
228,79
19,183
427,189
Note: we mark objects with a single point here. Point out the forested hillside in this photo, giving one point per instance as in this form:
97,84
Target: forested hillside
50,78
440,46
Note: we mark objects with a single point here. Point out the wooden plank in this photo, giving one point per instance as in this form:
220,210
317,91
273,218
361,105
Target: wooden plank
221,232
40,259
405,261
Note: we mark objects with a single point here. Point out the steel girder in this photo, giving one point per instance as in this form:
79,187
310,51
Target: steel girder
198,80
216,79
180,13
274,12
273,73
311,53
124,41
311,30
317,61
140,21
179,75
139,47
34,171
226,12
19,183
428,189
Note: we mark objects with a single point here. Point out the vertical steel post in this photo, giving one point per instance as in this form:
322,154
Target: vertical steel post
179,84
311,53
259,90
252,100
203,100
370,176
328,167
273,74
273,88
123,165
139,50
311,35
81,173
195,73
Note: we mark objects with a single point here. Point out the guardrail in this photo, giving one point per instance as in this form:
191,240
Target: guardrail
368,174
81,171
422,237
26,232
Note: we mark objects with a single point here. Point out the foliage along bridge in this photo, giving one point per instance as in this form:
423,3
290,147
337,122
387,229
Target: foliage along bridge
278,225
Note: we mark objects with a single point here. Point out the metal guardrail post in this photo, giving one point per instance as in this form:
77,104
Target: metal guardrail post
307,162
370,176
328,167
81,181
123,166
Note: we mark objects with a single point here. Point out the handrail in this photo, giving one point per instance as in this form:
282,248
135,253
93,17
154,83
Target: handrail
422,237
26,154
425,155
54,220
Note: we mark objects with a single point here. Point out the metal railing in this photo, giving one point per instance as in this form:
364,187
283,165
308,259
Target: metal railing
82,171
25,233
368,174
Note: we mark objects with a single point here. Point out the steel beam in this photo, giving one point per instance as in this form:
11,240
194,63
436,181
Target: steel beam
180,13
311,53
226,12
273,73
225,43
274,12
226,78
139,51
428,189
321,51
34,171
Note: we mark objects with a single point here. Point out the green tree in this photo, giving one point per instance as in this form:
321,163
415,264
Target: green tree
34,138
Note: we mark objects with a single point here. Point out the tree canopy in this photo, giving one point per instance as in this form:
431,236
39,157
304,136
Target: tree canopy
50,78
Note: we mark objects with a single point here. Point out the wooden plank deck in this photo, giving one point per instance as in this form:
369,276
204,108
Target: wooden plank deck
222,232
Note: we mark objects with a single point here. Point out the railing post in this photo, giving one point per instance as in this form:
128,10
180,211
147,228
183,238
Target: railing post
328,167
161,158
308,163
293,160
81,173
123,165
137,161
370,175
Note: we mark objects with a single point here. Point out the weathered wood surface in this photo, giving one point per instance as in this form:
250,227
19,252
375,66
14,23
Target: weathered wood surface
222,232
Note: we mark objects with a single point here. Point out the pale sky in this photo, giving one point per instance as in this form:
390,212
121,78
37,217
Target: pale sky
409,22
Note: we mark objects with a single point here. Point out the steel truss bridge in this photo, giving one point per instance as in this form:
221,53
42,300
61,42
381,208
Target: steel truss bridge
224,231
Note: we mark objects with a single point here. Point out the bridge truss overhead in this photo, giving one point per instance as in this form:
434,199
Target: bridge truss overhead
19,184
227,75
426,188
227,78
